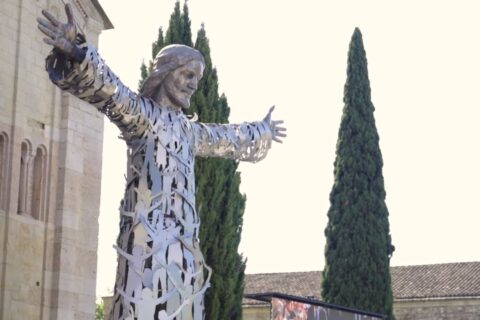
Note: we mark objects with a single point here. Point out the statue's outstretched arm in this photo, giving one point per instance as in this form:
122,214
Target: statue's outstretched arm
76,67
249,141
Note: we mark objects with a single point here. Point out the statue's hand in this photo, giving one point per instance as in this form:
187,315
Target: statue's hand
61,35
278,131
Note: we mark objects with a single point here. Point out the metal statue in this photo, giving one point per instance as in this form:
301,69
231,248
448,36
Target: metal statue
161,270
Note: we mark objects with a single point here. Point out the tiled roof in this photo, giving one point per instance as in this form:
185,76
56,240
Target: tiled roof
436,280
408,282
301,284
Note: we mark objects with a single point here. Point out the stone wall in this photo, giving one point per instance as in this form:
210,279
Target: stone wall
50,169
445,309
260,312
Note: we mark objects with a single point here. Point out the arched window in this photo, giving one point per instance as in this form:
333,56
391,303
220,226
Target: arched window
3,169
38,183
23,184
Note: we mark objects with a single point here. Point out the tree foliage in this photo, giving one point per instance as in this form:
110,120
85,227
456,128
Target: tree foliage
99,311
218,199
359,247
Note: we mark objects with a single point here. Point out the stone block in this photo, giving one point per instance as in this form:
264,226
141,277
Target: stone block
86,303
65,314
84,315
67,300
70,223
74,159
22,310
86,263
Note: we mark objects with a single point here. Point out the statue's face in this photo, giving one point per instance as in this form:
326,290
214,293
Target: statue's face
181,84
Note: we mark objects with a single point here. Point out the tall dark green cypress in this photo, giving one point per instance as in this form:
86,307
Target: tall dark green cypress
358,248
179,31
156,47
186,30
219,201
144,72
218,198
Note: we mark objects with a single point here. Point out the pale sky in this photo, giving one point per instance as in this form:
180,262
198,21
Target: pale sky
424,71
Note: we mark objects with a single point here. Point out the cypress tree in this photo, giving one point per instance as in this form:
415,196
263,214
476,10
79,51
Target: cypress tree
186,30
358,247
176,30
156,47
143,74
219,201
218,198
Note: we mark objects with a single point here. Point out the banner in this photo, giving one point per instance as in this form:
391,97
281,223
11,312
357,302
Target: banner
283,309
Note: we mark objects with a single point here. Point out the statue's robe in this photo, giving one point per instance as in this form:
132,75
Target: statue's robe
161,271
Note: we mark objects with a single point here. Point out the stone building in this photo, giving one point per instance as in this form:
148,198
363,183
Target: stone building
437,292
50,169
449,291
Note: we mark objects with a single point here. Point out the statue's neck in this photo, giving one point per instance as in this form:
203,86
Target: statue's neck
169,108
163,101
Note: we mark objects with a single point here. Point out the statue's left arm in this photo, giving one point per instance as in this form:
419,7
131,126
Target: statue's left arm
249,141
76,67
92,81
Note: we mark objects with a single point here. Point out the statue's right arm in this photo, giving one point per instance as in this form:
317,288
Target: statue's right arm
76,67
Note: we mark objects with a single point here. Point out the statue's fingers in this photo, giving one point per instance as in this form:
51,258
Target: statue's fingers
277,140
68,10
280,129
269,114
47,31
51,18
276,122
280,134
49,41
46,24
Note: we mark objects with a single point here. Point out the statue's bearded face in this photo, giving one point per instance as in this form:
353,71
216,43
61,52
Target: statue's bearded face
182,83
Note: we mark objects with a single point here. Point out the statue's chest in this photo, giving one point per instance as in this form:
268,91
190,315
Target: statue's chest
173,143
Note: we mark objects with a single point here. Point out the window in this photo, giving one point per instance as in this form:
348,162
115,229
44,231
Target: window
38,184
25,156
3,169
